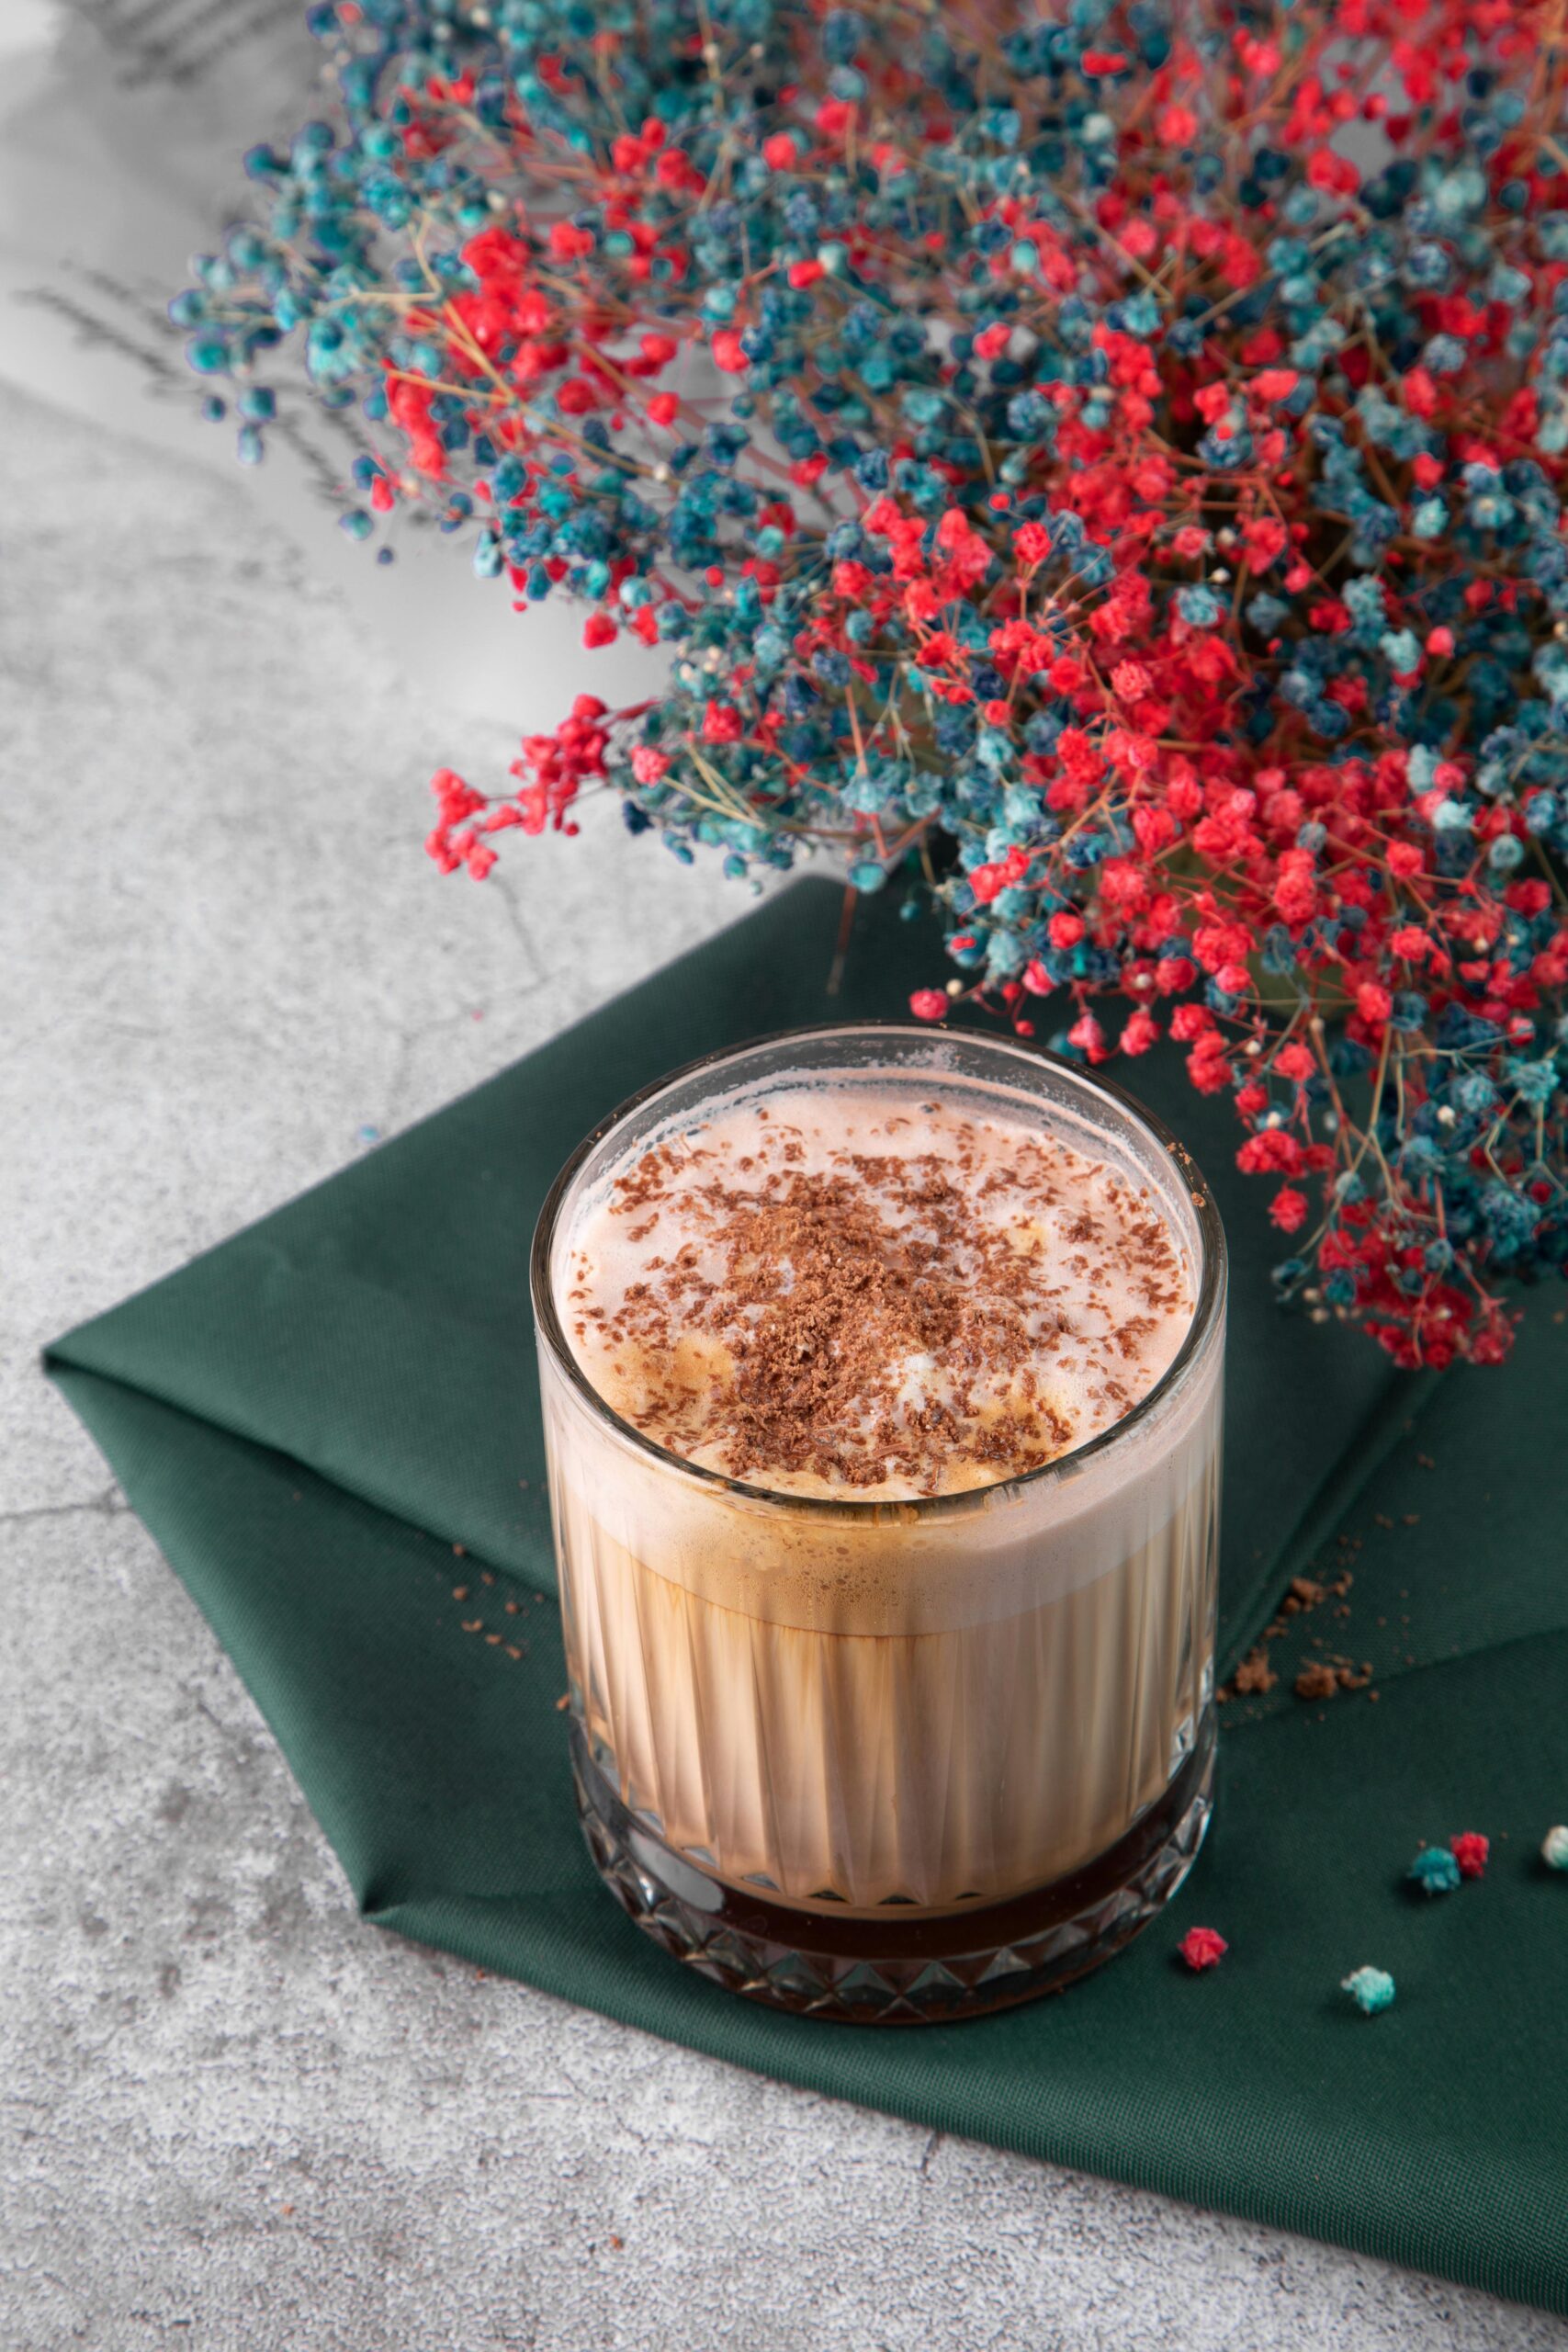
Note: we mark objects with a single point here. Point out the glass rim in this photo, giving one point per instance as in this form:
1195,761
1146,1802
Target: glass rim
1211,1274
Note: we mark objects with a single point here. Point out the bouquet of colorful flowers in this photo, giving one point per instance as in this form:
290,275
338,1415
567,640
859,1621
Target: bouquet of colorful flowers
1099,460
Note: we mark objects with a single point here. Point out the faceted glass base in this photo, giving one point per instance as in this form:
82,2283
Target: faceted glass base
896,1969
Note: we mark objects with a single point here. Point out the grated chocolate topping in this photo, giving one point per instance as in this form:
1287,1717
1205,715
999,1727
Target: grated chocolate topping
854,1295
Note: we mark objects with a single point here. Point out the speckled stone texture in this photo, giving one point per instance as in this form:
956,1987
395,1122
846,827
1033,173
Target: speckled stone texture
229,2115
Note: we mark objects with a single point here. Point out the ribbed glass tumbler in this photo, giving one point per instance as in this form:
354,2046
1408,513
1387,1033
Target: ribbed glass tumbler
894,1761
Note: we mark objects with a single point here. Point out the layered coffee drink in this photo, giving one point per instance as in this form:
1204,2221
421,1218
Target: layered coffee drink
881,1379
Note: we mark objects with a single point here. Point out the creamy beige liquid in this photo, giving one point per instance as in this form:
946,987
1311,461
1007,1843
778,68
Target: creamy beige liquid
928,1705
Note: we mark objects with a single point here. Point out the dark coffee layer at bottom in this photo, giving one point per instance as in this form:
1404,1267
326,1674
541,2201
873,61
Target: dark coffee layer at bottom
901,1969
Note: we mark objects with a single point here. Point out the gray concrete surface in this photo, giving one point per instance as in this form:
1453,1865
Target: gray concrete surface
229,2115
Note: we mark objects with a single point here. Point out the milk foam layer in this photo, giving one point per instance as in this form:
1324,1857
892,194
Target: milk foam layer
880,1293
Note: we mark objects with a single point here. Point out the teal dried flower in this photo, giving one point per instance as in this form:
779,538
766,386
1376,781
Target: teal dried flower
1435,1870
1372,1989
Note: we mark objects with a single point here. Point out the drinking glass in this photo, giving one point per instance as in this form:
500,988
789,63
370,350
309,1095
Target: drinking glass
893,1761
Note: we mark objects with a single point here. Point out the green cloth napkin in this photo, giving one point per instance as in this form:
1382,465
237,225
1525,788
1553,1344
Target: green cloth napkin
330,1424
